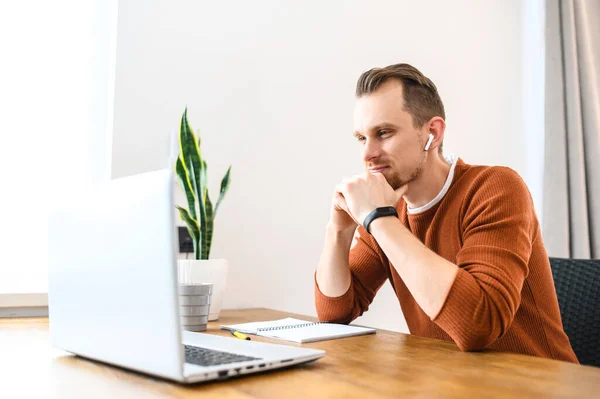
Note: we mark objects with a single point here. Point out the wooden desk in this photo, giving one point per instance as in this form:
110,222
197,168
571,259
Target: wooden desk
386,364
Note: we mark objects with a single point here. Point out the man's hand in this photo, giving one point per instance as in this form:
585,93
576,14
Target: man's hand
339,218
363,193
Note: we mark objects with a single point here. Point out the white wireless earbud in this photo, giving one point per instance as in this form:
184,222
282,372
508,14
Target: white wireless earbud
431,137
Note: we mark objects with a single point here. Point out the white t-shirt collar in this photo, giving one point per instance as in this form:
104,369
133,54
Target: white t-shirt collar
451,159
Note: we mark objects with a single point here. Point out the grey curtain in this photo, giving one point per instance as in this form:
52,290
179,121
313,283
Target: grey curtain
572,139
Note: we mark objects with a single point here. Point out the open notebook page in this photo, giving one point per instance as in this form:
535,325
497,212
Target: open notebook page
254,328
296,330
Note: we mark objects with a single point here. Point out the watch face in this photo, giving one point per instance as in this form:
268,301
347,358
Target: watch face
388,210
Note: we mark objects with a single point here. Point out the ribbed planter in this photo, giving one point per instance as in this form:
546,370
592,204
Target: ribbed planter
194,306
212,271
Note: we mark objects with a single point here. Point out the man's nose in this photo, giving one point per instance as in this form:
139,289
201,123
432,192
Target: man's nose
371,151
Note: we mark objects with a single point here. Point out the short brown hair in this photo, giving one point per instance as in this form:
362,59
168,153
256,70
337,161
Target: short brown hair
421,98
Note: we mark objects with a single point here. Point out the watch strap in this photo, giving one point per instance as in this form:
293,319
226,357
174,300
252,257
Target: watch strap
377,213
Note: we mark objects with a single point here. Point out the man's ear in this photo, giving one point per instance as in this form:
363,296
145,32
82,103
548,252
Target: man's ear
436,126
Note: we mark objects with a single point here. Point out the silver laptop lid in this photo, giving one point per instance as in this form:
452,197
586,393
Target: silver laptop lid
112,275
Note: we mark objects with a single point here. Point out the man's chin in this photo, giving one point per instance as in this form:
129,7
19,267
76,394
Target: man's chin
396,184
396,181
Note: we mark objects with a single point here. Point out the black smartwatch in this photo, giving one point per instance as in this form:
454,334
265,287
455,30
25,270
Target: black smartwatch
378,213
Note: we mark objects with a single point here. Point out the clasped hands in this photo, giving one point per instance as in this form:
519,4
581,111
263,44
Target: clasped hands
360,195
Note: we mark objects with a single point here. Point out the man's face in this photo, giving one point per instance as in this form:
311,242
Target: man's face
390,142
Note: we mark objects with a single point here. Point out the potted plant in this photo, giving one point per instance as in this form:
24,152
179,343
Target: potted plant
199,216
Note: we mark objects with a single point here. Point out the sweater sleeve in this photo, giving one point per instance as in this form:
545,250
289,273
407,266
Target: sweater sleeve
497,236
368,274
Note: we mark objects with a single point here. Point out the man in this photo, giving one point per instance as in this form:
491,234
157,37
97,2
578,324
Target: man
464,253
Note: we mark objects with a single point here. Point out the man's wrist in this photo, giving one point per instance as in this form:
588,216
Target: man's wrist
381,224
336,232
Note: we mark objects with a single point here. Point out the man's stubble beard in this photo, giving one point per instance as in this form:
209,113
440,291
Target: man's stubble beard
396,181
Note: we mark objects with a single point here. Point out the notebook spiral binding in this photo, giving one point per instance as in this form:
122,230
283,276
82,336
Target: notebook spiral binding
288,327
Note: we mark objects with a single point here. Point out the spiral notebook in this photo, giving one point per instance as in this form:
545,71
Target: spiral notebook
301,331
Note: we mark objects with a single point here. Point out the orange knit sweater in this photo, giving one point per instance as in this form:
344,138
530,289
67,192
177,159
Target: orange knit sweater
503,297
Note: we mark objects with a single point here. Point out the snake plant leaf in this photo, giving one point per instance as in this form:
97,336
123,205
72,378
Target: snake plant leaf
190,156
208,210
192,226
187,187
204,175
202,204
192,161
210,218
224,187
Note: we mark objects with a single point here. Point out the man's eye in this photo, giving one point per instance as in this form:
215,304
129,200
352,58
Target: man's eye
382,132
361,138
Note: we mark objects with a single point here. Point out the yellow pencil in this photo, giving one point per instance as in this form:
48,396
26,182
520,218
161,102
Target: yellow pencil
239,335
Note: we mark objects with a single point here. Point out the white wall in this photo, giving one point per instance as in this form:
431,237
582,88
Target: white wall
533,47
56,82
270,85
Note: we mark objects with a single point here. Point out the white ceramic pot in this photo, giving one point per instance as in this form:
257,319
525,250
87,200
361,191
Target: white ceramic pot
191,271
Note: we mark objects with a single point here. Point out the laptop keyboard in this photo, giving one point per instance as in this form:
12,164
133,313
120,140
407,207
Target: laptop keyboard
210,357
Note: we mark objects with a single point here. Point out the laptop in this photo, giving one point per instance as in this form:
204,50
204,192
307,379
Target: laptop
112,292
